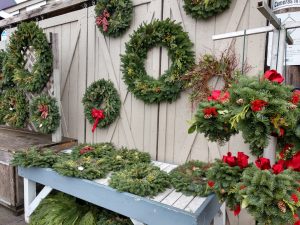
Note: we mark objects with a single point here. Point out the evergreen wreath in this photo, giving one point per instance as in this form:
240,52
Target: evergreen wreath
15,108
113,17
44,114
167,34
28,35
140,179
101,103
190,178
204,9
95,151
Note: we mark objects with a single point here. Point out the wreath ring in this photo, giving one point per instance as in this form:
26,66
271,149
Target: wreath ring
102,103
169,85
113,18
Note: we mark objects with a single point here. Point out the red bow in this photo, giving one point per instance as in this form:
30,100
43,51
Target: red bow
274,76
217,95
97,114
103,20
44,111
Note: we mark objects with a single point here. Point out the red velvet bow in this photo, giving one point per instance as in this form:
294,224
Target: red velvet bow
102,20
263,163
44,111
217,95
274,76
97,114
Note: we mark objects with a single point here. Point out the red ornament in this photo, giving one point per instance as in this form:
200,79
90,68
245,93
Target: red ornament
97,114
237,210
278,167
229,159
217,95
85,150
263,163
210,112
295,198
44,111
211,183
102,20
258,105
242,160
274,76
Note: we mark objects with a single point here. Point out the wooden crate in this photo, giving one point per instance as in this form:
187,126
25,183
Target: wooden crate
13,140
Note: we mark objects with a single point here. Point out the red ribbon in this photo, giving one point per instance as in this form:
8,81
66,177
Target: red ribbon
44,111
274,76
97,114
102,20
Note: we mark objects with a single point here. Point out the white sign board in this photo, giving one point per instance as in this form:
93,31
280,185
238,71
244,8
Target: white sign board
282,4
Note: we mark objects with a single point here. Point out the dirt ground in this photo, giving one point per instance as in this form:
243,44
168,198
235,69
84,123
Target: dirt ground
8,218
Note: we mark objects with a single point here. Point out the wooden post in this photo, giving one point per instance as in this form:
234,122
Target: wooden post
29,196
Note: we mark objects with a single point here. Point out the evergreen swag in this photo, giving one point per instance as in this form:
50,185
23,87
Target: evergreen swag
27,37
204,9
113,17
101,103
167,87
190,178
44,114
140,179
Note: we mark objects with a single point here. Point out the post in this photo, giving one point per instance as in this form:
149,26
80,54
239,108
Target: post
29,196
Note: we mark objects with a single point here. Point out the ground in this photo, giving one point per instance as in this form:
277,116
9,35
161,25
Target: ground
8,218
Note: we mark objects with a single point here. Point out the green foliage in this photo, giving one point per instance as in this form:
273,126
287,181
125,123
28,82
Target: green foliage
28,35
45,124
95,151
167,87
102,95
5,80
140,179
110,218
204,9
120,16
190,178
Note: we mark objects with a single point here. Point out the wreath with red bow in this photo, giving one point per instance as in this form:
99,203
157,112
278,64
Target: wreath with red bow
113,17
44,114
101,103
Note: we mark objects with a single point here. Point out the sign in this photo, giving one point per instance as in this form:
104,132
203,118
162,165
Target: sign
282,4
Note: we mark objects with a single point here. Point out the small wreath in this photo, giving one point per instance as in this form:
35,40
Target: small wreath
101,103
113,17
14,107
158,33
44,114
140,179
96,151
200,9
190,178
29,37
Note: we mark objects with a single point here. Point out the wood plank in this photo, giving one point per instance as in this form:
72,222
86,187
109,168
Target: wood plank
194,204
163,195
183,201
172,198
170,168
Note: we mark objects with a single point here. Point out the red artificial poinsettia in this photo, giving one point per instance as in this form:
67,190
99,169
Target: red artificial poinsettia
296,97
211,183
218,96
274,76
278,167
86,149
258,105
237,210
263,163
210,112
229,159
294,163
242,160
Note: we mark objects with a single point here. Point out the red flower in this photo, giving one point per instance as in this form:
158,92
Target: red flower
258,105
242,160
263,163
237,210
296,97
230,160
294,163
210,111
211,183
274,76
295,198
278,167
217,95
85,150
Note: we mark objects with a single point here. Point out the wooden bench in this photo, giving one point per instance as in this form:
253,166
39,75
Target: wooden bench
167,208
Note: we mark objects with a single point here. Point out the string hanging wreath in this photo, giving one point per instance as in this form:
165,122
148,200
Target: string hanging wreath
204,9
190,178
44,114
140,179
29,37
168,86
113,17
101,104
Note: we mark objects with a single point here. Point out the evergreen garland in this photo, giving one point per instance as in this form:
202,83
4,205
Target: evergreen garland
190,178
168,86
140,179
113,17
204,9
44,114
28,35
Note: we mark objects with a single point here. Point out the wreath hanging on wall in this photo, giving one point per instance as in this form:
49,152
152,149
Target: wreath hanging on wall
204,9
29,38
101,103
167,34
113,17
44,114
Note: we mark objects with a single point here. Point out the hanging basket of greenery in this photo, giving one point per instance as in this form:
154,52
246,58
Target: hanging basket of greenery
113,17
168,86
27,40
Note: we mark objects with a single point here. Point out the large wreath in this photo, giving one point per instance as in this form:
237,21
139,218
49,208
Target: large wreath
158,33
44,114
29,37
113,17
203,9
101,103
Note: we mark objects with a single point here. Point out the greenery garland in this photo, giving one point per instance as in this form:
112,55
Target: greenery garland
28,35
190,178
204,9
101,103
113,17
14,108
140,179
44,114
167,34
